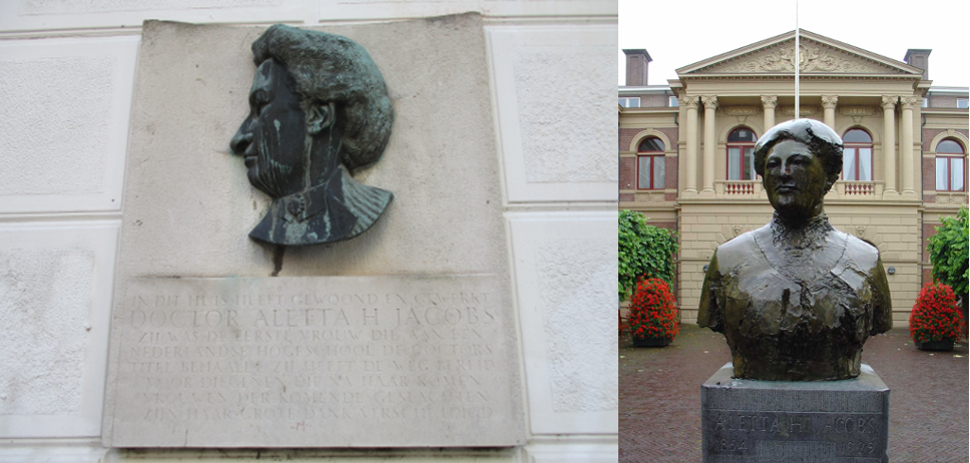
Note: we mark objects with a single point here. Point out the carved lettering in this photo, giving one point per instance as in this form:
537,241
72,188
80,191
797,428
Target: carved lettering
853,434
289,355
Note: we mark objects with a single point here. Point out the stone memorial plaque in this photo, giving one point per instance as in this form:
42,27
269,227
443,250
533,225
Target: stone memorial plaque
403,336
769,421
384,361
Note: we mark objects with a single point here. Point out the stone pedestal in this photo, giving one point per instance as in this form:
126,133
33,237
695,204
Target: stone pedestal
783,421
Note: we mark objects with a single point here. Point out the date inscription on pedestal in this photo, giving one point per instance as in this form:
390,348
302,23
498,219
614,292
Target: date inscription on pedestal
322,361
786,435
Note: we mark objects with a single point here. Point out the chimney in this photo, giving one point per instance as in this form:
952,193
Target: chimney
637,62
914,57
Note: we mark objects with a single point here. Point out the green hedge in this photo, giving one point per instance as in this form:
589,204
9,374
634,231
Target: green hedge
645,250
949,252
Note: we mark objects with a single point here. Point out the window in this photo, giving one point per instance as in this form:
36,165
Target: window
630,102
963,103
673,102
650,164
740,154
926,103
857,157
950,166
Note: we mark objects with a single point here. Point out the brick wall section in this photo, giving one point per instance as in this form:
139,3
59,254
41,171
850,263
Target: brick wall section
667,225
628,173
670,177
626,137
929,174
929,229
627,197
928,136
927,276
671,134
660,101
637,68
943,101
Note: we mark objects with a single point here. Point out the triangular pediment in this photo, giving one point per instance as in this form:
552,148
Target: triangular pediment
818,55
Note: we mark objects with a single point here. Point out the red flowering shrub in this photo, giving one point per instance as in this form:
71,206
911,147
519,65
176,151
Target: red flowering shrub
653,311
935,316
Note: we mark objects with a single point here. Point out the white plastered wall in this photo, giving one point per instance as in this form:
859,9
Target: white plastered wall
67,70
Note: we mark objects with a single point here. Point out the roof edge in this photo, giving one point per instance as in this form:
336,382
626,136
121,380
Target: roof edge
790,35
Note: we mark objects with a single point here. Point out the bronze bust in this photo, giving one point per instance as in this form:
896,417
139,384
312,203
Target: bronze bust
796,299
318,110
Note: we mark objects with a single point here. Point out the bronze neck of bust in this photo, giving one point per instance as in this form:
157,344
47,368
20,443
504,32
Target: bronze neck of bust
799,232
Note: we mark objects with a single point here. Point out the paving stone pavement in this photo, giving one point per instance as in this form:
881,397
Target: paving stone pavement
660,401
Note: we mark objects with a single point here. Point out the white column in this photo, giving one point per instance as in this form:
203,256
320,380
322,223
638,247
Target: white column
828,103
769,102
906,145
889,143
691,185
710,142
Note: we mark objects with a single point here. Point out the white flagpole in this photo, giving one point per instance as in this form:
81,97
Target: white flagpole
797,64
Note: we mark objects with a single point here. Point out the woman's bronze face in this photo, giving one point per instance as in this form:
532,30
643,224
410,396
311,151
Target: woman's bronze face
795,180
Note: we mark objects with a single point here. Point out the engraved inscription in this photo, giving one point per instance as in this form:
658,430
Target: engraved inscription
310,353
753,433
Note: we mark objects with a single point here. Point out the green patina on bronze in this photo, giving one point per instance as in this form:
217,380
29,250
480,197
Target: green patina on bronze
796,299
318,110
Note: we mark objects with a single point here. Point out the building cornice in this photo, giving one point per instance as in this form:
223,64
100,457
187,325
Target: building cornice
956,90
650,110
945,111
791,76
653,89
906,69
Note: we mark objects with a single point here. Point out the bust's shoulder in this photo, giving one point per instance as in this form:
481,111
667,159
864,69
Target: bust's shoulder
859,250
742,247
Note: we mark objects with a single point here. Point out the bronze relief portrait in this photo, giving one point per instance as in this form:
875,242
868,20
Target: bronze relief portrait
318,110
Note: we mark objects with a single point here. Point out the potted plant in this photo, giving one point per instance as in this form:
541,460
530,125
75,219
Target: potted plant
653,314
935,322
950,253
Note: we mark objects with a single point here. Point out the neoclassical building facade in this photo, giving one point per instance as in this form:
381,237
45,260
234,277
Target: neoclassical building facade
686,150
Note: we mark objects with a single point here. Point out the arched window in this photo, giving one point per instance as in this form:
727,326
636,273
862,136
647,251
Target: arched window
740,154
650,164
857,157
950,166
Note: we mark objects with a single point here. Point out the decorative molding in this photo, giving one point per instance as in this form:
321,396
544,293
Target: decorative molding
650,197
741,110
804,111
853,111
889,101
908,101
554,174
652,132
813,57
950,198
857,113
710,101
829,101
689,101
769,101
949,133
737,230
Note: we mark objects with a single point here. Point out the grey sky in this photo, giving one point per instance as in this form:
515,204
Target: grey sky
680,33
